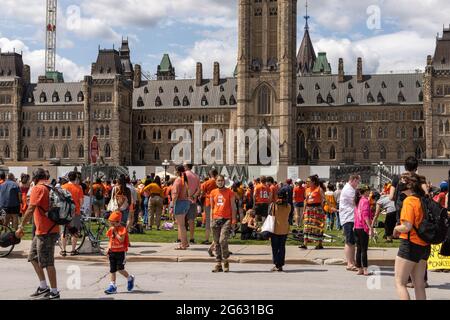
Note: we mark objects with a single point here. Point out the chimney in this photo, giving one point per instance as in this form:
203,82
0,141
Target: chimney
359,75
137,75
341,70
199,74
216,80
27,73
93,68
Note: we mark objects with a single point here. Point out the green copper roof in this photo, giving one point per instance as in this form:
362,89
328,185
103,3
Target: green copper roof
165,65
321,65
55,75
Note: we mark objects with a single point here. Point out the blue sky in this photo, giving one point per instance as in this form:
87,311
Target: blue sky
206,31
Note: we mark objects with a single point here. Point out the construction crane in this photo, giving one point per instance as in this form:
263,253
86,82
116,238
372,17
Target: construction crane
50,45
50,38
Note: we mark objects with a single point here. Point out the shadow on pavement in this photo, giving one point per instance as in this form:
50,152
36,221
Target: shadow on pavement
445,286
284,271
139,292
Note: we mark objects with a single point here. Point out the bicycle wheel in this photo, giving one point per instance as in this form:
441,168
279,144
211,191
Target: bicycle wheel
5,251
80,240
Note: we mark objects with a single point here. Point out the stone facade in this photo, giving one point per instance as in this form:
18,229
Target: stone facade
323,118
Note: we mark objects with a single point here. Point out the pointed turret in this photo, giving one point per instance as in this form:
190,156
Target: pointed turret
165,69
306,56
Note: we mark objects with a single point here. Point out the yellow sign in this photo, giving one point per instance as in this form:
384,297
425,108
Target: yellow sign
436,261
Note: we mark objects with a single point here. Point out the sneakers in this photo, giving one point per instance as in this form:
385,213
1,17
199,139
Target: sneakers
226,266
206,242
51,296
40,292
218,268
192,241
130,285
303,247
111,289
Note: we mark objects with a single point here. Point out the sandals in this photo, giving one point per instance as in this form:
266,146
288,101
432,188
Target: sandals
352,268
75,253
63,253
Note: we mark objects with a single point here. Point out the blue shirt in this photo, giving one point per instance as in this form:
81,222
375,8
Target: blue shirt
9,194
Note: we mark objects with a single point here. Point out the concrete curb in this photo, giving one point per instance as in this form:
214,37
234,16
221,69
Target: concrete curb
233,259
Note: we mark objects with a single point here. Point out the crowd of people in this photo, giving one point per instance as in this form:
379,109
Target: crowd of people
224,207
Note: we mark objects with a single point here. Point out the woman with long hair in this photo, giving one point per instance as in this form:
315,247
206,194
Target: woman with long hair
180,198
122,195
314,216
413,252
363,228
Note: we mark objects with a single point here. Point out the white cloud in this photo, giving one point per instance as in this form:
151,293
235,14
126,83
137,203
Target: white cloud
401,51
36,60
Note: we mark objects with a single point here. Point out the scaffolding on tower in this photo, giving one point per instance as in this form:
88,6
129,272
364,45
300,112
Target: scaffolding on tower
50,43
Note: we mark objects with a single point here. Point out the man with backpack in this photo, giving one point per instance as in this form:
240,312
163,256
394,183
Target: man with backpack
74,227
10,198
42,249
98,191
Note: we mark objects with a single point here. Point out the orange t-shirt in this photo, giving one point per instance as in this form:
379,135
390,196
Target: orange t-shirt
299,194
313,196
274,190
40,198
222,203
412,213
262,193
207,187
114,244
77,195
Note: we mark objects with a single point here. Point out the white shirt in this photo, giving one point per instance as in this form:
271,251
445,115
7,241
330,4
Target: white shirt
133,193
347,204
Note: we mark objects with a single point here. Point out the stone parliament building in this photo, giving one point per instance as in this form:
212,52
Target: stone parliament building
324,117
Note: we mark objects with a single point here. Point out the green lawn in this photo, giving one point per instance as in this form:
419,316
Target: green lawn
164,236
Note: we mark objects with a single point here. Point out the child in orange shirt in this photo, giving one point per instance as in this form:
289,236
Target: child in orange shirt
117,248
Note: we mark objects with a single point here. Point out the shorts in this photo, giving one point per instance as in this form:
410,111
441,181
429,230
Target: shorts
349,234
181,207
413,252
299,204
100,204
12,210
74,227
43,250
192,212
116,261
262,209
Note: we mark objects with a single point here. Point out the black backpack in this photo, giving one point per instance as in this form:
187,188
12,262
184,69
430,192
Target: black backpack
434,226
99,194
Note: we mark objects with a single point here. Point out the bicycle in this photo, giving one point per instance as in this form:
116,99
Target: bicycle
91,228
4,229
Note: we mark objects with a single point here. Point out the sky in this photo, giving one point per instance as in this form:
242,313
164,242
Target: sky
390,35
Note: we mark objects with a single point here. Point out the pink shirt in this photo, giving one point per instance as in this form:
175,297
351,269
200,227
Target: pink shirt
363,212
193,183
179,189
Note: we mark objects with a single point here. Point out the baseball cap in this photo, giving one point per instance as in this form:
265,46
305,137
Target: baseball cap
116,216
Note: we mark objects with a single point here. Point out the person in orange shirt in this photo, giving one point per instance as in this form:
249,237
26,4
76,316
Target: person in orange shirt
223,208
42,250
98,193
73,228
299,201
413,252
206,189
262,196
273,187
314,218
117,248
